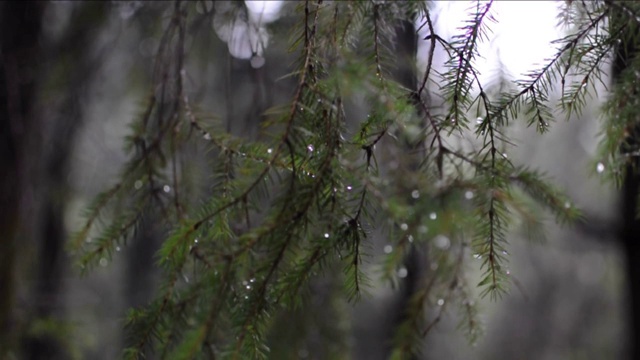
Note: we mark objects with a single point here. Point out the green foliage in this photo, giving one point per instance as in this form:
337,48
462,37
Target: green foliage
282,214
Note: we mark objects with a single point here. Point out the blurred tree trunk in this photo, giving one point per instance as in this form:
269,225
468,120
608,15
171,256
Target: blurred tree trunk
40,116
630,231
19,57
407,49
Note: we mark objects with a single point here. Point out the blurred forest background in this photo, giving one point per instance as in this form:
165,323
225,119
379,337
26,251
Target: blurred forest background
72,76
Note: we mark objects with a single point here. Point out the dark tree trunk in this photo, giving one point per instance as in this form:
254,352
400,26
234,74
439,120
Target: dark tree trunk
35,147
630,231
19,56
406,46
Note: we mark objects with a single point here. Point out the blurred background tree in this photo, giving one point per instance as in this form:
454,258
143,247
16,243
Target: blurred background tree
300,182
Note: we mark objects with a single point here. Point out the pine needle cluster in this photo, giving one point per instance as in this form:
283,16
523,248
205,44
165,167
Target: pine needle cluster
286,213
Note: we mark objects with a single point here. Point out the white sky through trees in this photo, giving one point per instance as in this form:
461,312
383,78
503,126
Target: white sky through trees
519,42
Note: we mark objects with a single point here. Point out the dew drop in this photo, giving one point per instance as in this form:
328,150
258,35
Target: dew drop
207,136
252,280
508,272
269,151
477,256
403,272
468,195
245,283
410,238
479,120
388,249
138,184
433,216
326,235
103,262
248,287
600,168
440,302
310,147
504,252
195,241
404,227
349,188
567,205
118,248
166,188
415,194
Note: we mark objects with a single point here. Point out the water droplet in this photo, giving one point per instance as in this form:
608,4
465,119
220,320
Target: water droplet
567,205
269,151
508,272
477,256
403,272
246,297
600,168
442,242
504,252
103,262
479,120
248,287
310,147
257,61
138,184
207,136
252,280
244,283
422,229
118,248
505,155
349,188
404,227
468,195
440,302
195,241
433,216
388,249
415,194
326,235
166,188
410,238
